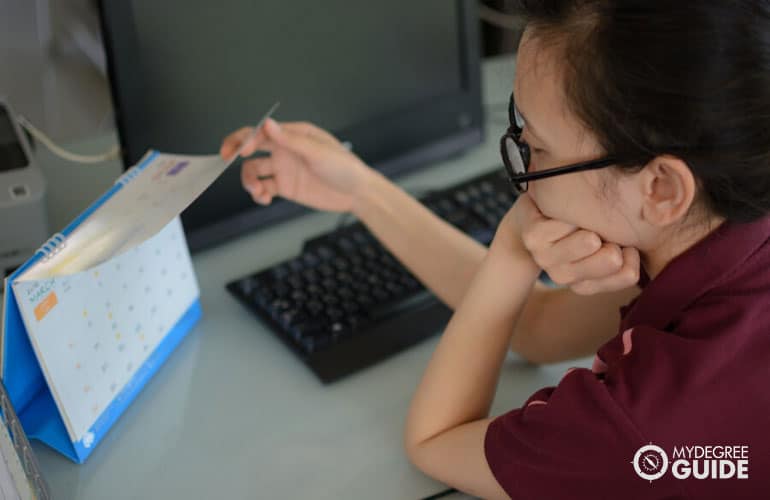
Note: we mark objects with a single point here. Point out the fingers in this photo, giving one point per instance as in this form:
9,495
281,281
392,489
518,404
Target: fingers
268,190
262,192
556,249
311,130
245,138
232,142
290,138
298,136
257,178
607,260
626,277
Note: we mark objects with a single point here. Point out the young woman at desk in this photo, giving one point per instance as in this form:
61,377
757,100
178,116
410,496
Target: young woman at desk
657,112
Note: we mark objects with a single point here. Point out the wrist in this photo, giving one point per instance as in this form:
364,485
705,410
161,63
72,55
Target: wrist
366,192
513,251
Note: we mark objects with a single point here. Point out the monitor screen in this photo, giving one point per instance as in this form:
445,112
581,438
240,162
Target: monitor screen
398,80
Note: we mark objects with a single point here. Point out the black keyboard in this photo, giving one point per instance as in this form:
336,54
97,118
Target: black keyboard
346,303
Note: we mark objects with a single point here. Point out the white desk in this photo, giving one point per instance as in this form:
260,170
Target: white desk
233,414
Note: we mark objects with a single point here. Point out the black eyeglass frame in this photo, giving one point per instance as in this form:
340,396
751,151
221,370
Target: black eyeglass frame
520,181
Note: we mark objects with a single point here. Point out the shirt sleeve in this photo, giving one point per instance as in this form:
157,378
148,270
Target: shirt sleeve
569,441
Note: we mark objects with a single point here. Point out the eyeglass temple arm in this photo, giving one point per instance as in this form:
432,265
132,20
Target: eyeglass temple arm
578,167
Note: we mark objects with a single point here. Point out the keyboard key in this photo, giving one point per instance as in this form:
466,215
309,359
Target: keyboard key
445,206
296,264
365,300
310,259
335,314
369,251
306,329
310,275
339,330
264,296
462,197
326,270
281,290
350,307
314,307
325,253
247,286
344,278
315,343
346,244
330,300
356,322
361,237
279,272
291,317
279,306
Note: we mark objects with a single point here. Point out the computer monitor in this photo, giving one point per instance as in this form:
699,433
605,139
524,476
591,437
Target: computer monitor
399,80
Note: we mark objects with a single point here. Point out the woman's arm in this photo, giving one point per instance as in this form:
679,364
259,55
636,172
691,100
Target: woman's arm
310,166
447,419
441,256
558,325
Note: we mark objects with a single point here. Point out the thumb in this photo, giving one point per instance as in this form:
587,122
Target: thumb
298,143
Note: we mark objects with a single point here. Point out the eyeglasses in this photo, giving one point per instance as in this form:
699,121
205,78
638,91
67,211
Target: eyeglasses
516,156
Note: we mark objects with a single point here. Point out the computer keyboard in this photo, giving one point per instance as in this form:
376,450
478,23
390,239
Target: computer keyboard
345,303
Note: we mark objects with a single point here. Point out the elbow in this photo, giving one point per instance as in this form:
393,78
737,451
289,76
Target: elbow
414,447
528,352
411,448
415,455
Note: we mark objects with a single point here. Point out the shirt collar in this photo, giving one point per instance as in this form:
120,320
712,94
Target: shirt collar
694,272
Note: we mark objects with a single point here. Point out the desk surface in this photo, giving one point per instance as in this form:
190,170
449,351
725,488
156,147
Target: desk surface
234,414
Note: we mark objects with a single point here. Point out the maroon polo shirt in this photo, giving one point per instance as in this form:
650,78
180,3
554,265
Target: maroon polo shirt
690,366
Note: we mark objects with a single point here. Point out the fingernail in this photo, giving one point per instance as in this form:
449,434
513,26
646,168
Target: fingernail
273,125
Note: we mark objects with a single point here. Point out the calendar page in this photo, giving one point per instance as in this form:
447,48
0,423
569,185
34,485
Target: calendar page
158,189
92,330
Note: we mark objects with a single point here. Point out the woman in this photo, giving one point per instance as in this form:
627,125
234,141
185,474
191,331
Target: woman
640,144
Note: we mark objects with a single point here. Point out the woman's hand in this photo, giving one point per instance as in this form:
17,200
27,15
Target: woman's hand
571,256
306,164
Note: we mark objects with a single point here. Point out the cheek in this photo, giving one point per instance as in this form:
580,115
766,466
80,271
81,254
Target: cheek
560,198
575,202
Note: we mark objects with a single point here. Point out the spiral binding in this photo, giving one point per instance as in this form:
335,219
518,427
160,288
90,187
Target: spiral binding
53,246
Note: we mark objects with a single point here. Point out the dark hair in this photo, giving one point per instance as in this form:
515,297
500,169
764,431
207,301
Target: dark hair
686,78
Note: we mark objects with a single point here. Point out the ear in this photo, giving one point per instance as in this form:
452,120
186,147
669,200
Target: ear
668,190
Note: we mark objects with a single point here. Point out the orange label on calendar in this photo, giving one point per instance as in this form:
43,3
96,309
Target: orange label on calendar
45,305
